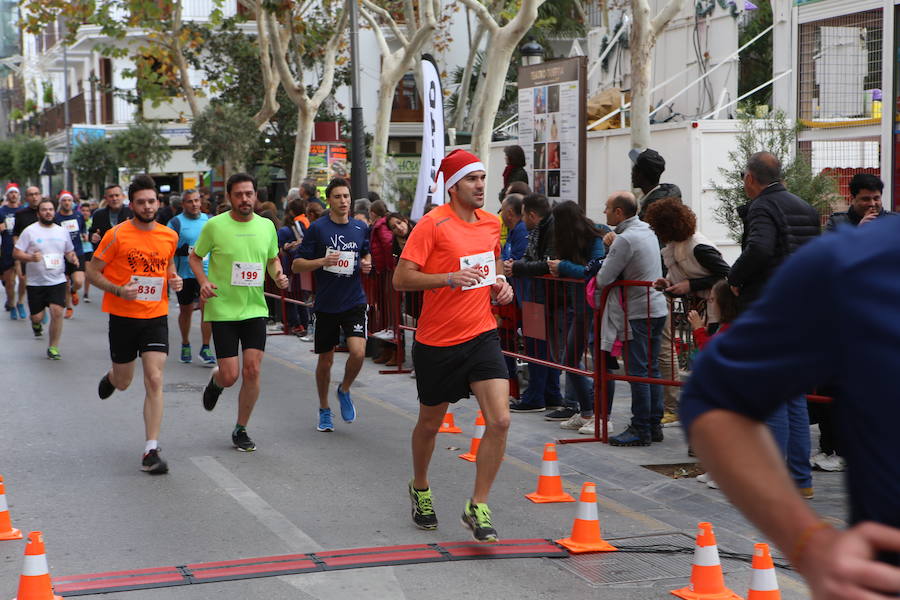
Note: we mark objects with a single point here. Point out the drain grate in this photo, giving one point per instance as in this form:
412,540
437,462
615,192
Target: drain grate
182,388
628,567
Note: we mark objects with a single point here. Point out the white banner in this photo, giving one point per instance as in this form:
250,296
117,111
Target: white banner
432,141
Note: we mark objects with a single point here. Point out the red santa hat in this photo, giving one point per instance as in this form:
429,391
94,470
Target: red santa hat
11,186
65,193
457,165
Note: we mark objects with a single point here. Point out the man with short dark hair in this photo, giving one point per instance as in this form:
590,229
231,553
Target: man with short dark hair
647,166
11,269
188,224
336,249
242,247
634,256
776,223
44,247
133,265
310,193
865,203
28,214
113,213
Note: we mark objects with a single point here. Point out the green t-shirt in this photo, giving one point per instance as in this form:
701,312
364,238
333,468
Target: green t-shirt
237,252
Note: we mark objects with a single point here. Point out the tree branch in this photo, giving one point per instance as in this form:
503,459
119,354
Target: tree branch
386,16
379,35
669,11
271,81
327,83
180,61
483,15
294,91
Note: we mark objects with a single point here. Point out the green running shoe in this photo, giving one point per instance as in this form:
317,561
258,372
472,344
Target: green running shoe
422,509
477,517
186,353
53,353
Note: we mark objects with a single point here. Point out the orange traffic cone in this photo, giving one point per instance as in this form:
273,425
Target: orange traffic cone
476,439
763,583
586,528
7,532
449,425
707,581
550,487
34,584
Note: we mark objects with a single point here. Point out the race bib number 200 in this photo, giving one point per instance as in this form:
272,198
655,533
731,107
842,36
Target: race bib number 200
346,262
247,274
486,263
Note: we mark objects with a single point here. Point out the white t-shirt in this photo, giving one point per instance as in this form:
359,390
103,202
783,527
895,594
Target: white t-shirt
53,242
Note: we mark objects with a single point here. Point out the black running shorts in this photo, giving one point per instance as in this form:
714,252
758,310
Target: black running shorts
42,296
443,373
190,291
129,337
70,268
353,322
229,336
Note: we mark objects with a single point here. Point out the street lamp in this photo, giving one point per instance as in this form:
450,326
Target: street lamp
532,53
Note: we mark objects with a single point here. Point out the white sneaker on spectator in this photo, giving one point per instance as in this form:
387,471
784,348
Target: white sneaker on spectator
588,428
833,463
814,461
712,485
703,477
384,334
575,422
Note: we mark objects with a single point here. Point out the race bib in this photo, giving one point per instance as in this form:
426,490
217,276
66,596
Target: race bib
53,262
247,274
486,263
70,225
10,221
149,288
346,262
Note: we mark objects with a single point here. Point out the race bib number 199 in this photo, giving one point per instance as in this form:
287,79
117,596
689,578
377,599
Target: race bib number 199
486,263
149,289
247,274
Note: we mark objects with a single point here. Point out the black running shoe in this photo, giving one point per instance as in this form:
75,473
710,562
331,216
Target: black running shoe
242,441
153,464
212,392
656,433
422,509
477,517
37,329
105,389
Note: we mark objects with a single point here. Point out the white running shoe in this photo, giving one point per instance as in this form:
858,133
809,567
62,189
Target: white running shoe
576,422
814,461
703,477
832,463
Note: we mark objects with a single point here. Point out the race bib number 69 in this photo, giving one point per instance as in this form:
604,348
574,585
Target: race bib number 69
247,274
485,263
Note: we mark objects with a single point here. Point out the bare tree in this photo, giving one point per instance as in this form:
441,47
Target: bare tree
644,33
284,39
395,64
502,43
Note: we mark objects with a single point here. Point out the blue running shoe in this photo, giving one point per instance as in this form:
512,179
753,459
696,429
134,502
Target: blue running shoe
325,423
348,411
207,357
186,353
46,316
21,309
13,315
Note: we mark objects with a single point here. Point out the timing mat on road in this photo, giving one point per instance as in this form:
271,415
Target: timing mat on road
291,564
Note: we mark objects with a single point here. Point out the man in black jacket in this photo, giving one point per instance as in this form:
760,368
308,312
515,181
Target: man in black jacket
776,224
865,202
543,382
111,215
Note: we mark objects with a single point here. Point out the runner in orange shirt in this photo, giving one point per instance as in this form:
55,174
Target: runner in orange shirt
134,265
453,254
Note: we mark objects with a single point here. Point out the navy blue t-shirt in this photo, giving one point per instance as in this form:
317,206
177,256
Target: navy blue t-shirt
335,292
828,316
6,237
76,234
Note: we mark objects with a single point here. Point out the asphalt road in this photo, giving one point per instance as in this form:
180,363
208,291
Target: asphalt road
71,465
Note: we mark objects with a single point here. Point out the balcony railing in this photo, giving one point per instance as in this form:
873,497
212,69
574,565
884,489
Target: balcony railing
53,119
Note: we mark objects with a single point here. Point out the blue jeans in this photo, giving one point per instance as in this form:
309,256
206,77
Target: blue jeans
646,399
570,337
789,425
543,382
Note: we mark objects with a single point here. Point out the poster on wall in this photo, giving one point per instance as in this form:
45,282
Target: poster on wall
552,104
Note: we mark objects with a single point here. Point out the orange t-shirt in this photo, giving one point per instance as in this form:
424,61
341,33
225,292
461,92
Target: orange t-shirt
131,252
451,316
303,219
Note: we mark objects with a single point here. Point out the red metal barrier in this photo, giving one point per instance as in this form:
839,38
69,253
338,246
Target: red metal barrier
299,292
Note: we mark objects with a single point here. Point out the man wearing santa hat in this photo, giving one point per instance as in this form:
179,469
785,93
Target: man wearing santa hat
453,255
9,268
